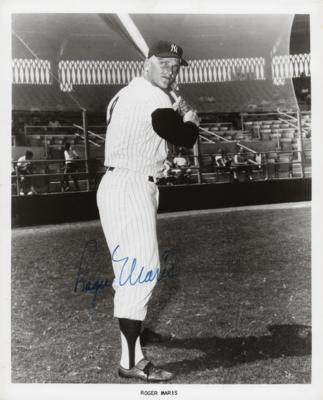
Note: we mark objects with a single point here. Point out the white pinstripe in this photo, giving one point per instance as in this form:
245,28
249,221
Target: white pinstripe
128,204
127,201
131,141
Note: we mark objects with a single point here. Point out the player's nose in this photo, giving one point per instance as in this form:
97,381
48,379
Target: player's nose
167,70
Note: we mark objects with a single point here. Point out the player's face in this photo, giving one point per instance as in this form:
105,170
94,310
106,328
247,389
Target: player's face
162,72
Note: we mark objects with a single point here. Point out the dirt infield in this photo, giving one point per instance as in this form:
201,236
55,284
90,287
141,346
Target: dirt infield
235,294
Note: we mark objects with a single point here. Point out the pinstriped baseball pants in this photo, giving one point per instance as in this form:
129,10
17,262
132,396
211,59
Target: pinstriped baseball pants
127,204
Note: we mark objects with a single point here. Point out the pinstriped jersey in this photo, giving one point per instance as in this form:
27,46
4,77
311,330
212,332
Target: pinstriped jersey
131,142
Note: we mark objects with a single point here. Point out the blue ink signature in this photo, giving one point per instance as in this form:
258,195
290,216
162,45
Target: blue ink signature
99,284
90,285
143,276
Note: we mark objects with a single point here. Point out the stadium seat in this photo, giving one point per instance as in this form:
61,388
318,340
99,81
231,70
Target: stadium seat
296,170
239,136
285,166
274,136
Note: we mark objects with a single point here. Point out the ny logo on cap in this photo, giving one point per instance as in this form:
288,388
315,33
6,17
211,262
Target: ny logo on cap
174,48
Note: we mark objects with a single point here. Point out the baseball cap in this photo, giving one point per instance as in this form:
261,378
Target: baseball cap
164,49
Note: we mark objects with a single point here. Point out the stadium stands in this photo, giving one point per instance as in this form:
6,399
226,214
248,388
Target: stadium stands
47,98
262,133
236,96
239,96
34,106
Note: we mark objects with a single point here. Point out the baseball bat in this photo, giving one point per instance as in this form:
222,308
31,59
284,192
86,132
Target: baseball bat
141,44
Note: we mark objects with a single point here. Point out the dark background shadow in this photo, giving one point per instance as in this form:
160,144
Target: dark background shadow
283,340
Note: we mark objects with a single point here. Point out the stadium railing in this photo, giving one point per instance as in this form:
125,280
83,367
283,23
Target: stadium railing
49,173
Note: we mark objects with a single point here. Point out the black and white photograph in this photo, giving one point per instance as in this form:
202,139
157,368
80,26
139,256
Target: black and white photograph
159,205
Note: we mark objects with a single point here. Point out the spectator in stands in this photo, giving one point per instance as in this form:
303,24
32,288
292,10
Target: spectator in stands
167,177
71,166
258,159
219,158
54,124
182,170
180,161
229,166
242,164
167,168
25,167
261,159
239,158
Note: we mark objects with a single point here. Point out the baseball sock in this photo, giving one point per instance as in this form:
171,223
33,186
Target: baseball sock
131,351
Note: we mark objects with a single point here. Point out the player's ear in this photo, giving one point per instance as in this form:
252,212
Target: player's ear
146,65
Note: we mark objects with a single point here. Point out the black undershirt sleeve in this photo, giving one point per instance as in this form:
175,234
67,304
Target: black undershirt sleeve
169,125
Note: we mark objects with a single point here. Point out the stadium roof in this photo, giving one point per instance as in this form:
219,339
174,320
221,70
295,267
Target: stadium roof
94,36
58,37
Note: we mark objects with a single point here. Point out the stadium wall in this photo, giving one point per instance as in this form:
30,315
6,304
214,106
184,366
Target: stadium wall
76,207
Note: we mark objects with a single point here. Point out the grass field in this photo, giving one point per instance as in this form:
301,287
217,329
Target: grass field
237,300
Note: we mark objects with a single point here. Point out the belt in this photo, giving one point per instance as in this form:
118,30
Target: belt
150,178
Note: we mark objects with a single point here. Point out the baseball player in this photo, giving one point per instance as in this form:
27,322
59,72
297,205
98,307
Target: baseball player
70,167
141,119
25,167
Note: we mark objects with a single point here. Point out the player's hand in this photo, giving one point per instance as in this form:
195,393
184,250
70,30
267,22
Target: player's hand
181,106
191,116
176,104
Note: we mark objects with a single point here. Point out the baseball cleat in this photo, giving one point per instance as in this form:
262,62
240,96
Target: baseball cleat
146,371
